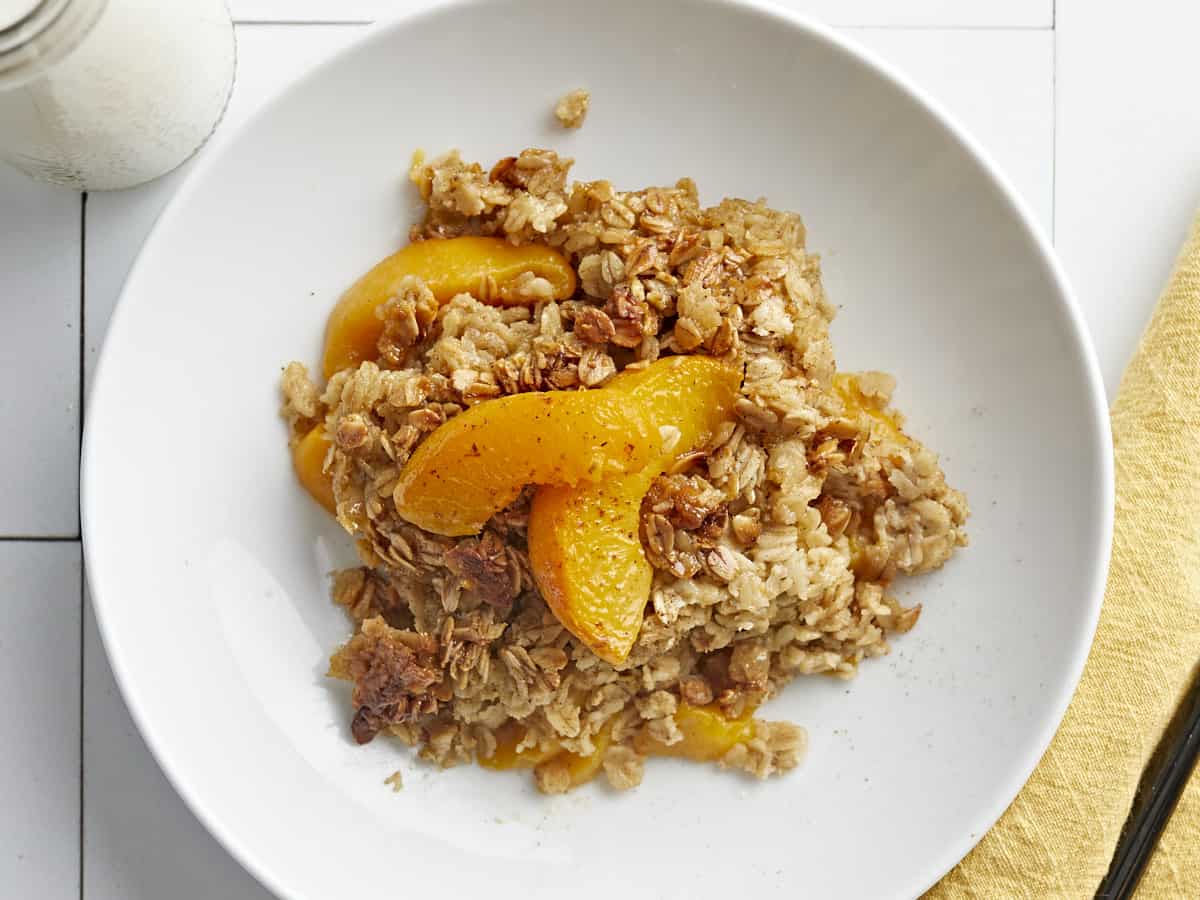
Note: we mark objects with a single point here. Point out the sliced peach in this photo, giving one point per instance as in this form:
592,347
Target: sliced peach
507,756
476,464
579,768
588,561
584,546
583,769
485,267
308,458
707,734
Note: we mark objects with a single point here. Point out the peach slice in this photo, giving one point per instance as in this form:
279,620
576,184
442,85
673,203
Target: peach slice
507,756
707,734
578,769
587,559
584,546
582,769
476,464
488,268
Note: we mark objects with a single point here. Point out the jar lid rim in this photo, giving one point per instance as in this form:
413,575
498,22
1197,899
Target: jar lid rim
51,30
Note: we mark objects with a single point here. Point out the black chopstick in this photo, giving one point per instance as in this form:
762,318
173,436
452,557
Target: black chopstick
1162,784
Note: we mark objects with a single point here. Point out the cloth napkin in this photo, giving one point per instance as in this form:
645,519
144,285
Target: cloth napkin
1057,838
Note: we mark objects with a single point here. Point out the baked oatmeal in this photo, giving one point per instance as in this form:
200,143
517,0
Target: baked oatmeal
609,490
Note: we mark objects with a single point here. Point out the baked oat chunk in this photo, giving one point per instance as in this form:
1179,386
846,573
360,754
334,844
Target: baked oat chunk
395,674
572,108
774,546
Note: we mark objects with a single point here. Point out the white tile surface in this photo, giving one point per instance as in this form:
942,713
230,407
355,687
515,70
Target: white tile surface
1128,180
1012,69
39,693
913,13
39,357
140,841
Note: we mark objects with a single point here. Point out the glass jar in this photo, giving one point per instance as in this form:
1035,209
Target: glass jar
107,94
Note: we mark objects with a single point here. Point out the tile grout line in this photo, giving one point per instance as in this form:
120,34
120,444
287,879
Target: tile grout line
82,576
82,660
82,346
850,26
1053,135
39,539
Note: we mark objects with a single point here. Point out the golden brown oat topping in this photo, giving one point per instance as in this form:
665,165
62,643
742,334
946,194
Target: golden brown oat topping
773,546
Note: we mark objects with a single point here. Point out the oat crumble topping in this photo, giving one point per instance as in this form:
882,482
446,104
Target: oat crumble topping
774,548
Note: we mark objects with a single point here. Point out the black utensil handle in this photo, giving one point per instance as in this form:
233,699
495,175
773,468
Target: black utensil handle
1162,784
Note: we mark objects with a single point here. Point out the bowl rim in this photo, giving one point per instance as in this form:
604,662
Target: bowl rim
1002,795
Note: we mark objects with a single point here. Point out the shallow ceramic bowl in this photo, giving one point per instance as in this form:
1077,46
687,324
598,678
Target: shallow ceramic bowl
207,562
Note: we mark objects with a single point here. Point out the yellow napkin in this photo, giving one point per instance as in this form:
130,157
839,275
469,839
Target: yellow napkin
1058,836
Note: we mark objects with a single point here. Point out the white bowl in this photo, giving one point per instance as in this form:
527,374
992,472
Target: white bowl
207,561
